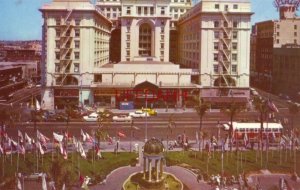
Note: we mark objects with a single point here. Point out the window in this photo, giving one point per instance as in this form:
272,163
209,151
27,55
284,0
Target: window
128,45
278,26
235,24
57,33
217,6
77,22
57,44
162,10
234,35
128,10
162,52
77,44
127,53
234,68
57,20
295,33
162,37
145,40
234,46
76,67
162,30
76,55
295,27
77,32
216,68
139,10
277,41
215,57
128,28
162,45
235,6
216,34
234,57
152,10
216,24
128,37
277,33
216,46
57,55
295,41
226,7
57,68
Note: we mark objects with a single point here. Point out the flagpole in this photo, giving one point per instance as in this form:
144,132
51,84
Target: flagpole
52,153
18,155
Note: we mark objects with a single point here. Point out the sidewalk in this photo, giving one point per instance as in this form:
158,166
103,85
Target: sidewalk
159,110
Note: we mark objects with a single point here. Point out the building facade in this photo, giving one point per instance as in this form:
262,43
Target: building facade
75,41
210,44
286,69
214,38
269,35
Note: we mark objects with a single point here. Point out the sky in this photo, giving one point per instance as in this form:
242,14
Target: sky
21,19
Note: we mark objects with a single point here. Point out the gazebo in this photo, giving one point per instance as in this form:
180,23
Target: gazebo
153,152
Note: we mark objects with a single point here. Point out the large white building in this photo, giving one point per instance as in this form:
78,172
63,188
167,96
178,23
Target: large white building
82,43
214,38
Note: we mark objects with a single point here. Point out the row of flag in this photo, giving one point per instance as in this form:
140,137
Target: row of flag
8,145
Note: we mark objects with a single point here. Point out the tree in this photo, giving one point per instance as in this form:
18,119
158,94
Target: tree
201,108
232,110
293,110
104,117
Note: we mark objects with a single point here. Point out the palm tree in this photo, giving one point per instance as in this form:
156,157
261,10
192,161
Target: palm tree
201,108
171,125
293,110
232,110
262,107
104,117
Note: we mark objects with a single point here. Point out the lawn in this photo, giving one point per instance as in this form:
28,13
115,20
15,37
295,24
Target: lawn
235,163
64,171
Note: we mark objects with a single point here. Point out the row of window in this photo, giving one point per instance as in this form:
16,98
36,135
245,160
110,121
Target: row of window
225,24
233,68
217,35
218,46
217,56
295,26
226,7
278,34
58,68
146,10
67,56
68,33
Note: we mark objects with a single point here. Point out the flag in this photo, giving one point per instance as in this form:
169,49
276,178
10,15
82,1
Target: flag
272,106
44,183
81,150
83,135
98,152
19,185
28,139
89,138
43,139
64,187
1,149
21,148
57,137
13,144
85,183
110,139
38,106
121,134
20,136
39,146
65,154
246,139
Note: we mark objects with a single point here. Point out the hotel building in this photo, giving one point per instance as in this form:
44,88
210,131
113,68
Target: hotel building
157,52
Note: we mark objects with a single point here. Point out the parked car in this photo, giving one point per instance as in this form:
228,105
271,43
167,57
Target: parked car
150,111
138,113
125,118
55,118
92,117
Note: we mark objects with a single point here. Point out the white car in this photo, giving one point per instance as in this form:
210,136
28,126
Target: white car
126,118
92,117
138,113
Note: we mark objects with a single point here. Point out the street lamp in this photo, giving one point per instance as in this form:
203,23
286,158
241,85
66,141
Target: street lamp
146,128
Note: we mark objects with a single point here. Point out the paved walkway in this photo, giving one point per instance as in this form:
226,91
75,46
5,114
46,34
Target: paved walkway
115,180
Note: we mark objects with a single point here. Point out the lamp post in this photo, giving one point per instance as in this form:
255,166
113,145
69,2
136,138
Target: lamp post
146,128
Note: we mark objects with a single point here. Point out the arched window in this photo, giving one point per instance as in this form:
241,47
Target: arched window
145,40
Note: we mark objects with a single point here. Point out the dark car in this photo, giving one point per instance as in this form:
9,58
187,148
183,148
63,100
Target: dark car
55,118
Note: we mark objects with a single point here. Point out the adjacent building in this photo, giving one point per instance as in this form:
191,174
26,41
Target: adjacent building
268,36
214,39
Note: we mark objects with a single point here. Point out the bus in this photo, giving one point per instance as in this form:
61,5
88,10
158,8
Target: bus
273,130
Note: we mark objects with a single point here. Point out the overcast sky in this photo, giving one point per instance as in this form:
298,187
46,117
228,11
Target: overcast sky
21,19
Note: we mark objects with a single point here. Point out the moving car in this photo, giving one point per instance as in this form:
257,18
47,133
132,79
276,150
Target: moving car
92,117
124,118
138,113
150,111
